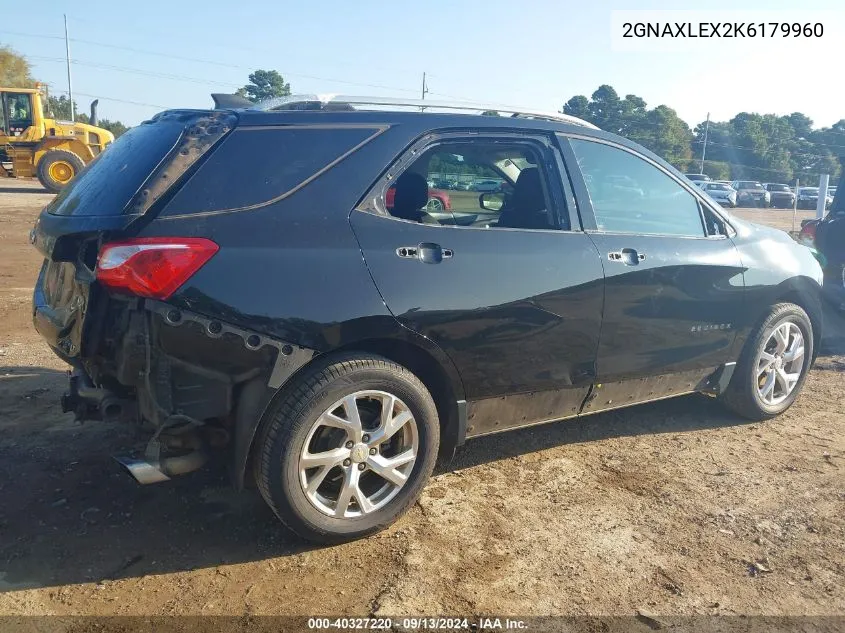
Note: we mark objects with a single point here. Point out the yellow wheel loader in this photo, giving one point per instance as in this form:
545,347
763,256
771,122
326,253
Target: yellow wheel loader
33,145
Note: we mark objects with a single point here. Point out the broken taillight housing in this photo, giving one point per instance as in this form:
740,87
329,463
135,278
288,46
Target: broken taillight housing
152,267
807,235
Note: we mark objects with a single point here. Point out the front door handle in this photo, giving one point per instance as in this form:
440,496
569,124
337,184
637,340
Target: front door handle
426,252
627,256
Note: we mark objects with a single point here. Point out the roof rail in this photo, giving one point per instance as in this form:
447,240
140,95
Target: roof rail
346,102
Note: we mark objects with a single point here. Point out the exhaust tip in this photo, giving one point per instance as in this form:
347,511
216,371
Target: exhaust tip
143,472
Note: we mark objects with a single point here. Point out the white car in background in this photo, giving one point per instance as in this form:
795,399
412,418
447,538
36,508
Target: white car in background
722,193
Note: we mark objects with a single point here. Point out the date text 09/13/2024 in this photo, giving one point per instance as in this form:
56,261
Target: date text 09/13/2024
418,624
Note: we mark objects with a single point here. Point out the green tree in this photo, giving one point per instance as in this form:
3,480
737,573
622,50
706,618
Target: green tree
605,109
115,127
670,136
801,124
828,145
58,107
577,106
765,147
719,153
264,84
717,170
659,129
15,71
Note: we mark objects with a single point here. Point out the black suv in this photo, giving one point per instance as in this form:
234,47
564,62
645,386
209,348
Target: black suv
235,281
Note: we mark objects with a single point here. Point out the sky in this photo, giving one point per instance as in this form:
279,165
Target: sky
535,53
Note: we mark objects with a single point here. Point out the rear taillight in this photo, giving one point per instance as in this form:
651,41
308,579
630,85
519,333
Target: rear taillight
152,267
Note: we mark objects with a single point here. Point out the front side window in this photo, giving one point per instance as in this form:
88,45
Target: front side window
483,184
630,195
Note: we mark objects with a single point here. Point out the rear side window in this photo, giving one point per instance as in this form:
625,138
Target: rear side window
255,166
630,195
108,183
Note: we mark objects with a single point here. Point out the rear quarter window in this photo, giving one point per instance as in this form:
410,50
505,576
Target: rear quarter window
107,183
255,166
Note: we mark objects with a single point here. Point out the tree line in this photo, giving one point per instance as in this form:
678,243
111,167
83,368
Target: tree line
751,146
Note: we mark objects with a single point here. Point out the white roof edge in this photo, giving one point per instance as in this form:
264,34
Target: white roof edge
279,102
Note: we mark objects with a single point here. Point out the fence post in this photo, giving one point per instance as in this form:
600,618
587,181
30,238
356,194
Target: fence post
824,179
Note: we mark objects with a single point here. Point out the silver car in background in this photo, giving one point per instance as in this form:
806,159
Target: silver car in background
808,198
722,193
751,193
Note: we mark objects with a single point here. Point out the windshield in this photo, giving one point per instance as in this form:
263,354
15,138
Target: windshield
778,188
718,187
748,184
809,190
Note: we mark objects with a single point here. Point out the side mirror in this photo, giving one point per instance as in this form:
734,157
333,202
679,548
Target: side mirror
491,201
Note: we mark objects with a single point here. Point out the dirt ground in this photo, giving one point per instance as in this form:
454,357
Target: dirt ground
671,508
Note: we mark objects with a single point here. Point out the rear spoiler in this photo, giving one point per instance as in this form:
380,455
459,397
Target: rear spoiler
223,101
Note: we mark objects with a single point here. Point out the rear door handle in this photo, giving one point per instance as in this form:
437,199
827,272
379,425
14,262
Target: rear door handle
426,252
627,256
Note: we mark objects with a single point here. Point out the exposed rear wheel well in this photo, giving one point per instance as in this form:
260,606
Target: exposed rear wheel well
429,371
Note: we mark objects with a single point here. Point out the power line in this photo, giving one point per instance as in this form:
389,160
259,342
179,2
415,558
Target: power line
767,151
635,123
769,169
783,138
209,82
134,30
138,71
291,74
242,67
208,61
116,99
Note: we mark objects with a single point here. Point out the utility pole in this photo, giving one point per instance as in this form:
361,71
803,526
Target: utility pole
69,83
704,148
424,91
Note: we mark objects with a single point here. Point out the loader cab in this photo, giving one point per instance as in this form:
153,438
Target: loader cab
18,111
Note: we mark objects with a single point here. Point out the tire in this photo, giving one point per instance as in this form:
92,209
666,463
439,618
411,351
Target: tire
57,168
291,427
745,393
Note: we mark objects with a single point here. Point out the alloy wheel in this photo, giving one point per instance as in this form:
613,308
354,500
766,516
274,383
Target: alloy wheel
780,363
434,204
358,454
